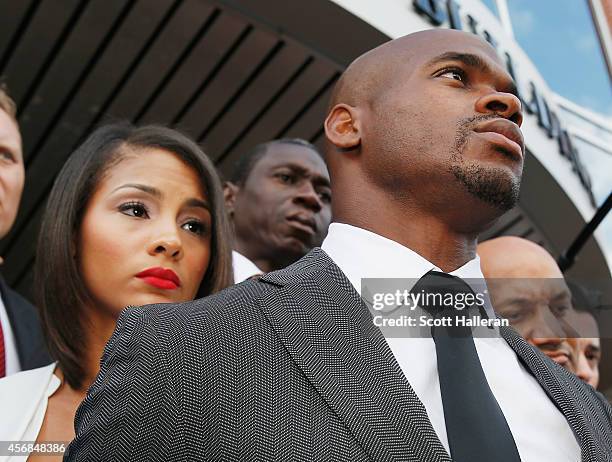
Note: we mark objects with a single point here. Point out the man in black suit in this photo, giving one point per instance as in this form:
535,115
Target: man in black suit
424,153
21,341
279,202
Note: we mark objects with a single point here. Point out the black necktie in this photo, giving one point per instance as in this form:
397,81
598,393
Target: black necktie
475,424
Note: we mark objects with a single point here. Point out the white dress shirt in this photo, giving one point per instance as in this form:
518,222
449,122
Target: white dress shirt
243,267
10,347
539,429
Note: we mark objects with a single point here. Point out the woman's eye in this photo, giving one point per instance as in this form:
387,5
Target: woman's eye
195,227
6,156
134,209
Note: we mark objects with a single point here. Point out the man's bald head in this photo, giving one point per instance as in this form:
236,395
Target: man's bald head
372,72
527,288
402,127
515,257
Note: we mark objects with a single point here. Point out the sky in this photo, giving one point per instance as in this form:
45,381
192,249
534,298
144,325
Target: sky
560,39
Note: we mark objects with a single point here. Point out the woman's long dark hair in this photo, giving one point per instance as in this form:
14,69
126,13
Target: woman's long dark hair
59,287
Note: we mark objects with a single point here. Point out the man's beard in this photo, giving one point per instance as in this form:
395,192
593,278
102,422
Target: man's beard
489,184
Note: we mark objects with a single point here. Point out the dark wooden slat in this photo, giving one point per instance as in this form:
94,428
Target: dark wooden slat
197,66
503,223
515,223
257,95
29,57
303,89
319,137
14,19
319,143
39,120
517,228
38,179
312,119
160,58
65,70
137,60
229,79
242,88
529,233
126,44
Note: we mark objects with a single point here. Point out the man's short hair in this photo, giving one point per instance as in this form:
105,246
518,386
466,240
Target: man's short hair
6,102
244,165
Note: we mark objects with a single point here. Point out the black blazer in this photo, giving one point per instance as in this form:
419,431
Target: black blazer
25,325
289,367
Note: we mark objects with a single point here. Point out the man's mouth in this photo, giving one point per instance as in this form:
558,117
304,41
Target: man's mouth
504,134
303,222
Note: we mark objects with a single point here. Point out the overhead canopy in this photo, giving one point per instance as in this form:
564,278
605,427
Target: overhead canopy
231,73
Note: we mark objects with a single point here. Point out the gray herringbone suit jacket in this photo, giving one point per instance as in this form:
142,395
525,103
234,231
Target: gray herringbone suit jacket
286,368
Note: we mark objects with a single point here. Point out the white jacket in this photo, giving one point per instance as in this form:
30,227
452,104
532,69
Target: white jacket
23,400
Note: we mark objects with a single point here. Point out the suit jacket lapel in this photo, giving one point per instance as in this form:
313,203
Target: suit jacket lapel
14,315
329,333
543,369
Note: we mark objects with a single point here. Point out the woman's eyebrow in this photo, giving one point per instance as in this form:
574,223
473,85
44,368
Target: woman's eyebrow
193,202
143,187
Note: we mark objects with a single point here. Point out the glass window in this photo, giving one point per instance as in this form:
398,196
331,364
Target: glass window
560,38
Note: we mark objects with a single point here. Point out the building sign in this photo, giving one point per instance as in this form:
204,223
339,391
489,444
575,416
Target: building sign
439,12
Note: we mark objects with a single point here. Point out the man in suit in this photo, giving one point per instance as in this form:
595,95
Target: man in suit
21,341
424,153
528,288
279,201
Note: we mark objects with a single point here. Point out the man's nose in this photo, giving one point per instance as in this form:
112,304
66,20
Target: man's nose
548,326
582,368
307,196
506,105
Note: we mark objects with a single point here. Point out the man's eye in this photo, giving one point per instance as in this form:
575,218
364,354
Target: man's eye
134,209
512,315
593,356
560,310
514,318
325,196
455,74
285,178
195,227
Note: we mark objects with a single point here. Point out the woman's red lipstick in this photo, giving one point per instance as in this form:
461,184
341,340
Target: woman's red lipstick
160,277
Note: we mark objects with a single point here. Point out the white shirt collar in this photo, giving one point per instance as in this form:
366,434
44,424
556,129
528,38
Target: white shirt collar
362,254
243,267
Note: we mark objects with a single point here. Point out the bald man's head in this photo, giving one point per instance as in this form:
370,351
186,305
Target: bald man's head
515,257
528,289
373,72
409,119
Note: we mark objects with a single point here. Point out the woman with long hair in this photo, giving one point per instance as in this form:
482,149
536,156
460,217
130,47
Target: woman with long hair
135,217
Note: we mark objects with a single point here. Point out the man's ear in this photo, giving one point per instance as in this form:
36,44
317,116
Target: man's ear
342,127
230,191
